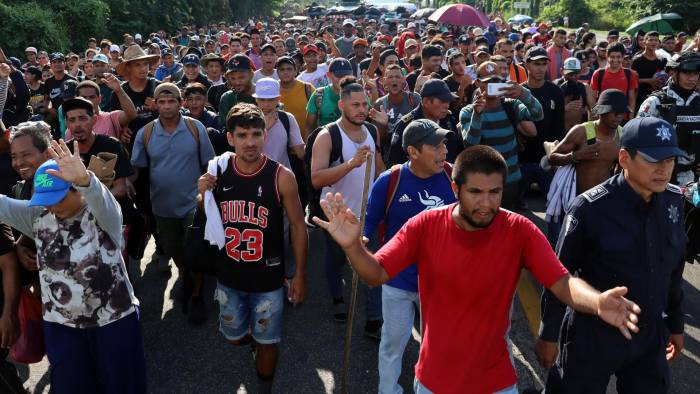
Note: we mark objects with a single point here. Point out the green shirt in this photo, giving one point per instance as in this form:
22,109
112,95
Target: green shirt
228,100
329,106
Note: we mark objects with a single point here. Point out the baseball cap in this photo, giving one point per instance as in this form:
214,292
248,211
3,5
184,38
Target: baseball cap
410,43
411,25
685,61
76,103
310,48
57,56
571,65
30,49
653,138
190,59
100,57
614,33
137,36
349,22
536,53
285,60
268,46
114,48
542,26
340,67
514,36
167,88
70,89
482,50
238,63
464,39
423,131
438,88
267,88
488,72
48,189
478,31
611,100
359,41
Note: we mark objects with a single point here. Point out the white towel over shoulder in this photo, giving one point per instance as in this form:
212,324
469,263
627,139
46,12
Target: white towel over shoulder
214,229
562,193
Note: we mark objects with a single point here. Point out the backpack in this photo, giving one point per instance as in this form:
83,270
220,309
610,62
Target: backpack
191,126
296,164
628,76
336,154
394,178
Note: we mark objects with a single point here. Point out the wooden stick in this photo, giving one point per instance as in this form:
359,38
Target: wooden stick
355,280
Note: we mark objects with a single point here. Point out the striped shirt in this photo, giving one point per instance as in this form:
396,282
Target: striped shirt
494,129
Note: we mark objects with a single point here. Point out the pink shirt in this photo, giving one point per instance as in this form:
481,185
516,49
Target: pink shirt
556,62
107,123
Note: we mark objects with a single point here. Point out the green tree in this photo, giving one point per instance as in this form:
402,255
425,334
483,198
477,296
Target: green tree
31,24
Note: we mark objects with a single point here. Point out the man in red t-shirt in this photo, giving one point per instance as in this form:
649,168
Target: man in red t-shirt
469,255
616,77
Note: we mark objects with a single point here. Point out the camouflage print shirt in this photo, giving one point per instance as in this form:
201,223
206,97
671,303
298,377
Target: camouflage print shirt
81,270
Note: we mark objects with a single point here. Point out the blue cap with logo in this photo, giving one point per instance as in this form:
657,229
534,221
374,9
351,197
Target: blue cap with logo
100,57
190,59
653,138
340,67
48,189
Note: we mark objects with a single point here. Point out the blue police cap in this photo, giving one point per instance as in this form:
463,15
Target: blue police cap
653,138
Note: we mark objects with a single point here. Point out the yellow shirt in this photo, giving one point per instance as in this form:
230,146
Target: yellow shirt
295,100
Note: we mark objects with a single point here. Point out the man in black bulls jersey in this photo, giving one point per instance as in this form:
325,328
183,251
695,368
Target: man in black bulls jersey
250,195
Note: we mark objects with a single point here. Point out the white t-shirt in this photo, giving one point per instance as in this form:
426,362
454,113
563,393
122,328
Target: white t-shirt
317,78
276,143
259,75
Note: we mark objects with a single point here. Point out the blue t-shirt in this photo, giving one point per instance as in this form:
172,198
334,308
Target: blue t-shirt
413,196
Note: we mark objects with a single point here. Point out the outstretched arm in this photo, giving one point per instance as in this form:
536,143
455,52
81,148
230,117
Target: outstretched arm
345,229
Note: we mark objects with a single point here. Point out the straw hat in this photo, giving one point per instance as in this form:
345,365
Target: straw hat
132,54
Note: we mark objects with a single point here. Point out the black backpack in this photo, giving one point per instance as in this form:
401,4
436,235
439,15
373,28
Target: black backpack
336,154
296,164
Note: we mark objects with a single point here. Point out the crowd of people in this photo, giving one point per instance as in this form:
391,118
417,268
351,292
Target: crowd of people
228,144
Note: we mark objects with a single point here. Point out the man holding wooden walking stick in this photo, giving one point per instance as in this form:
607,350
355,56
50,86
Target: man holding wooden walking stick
351,137
469,257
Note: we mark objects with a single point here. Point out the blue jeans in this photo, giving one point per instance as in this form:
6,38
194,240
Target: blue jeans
398,309
107,359
418,388
335,261
258,313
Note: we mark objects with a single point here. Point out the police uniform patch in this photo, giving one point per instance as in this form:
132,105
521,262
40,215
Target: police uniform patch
674,188
570,225
595,193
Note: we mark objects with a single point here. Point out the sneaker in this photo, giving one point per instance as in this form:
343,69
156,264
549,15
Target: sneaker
340,312
373,329
197,313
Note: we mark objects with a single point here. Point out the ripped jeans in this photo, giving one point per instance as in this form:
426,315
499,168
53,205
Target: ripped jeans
259,314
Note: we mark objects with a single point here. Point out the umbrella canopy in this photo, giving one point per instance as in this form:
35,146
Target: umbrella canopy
423,13
663,23
520,19
459,15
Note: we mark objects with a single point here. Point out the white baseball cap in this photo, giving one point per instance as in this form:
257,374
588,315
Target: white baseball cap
267,88
137,36
349,22
478,31
30,49
114,48
571,65
411,25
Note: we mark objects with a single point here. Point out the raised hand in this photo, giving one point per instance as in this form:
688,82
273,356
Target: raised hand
71,166
5,70
379,116
342,223
112,82
618,311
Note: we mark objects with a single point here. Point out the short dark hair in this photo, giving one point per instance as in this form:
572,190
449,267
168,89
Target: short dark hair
195,88
560,31
90,85
348,86
478,159
244,115
392,67
234,39
616,47
652,34
39,132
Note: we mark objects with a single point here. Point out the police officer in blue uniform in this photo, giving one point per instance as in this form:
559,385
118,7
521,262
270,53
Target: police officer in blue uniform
627,231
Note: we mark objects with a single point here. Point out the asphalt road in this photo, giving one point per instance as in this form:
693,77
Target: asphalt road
185,359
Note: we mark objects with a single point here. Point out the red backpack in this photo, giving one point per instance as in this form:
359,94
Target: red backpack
394,178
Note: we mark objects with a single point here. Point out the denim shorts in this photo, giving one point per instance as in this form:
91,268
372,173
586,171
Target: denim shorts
259,314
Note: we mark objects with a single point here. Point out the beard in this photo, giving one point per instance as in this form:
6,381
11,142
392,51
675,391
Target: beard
469,219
